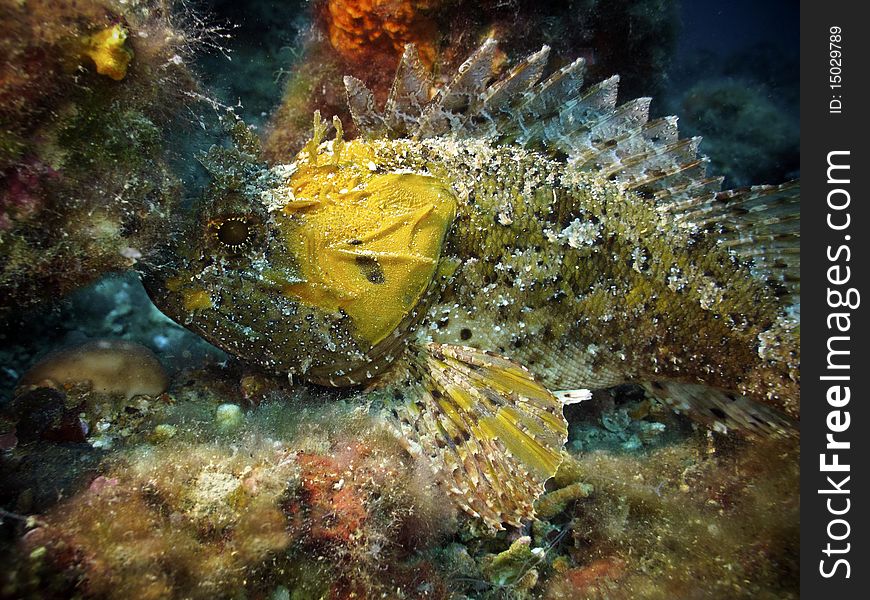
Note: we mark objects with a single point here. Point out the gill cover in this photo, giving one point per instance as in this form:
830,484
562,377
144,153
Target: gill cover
367,242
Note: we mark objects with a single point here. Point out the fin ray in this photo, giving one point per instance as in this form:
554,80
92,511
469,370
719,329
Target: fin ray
448,109
520,79
361,103
409,93
759,224
494,434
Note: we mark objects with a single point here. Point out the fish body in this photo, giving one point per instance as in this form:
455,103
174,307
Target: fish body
481,248
586,283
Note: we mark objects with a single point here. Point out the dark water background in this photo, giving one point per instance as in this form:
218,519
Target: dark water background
751,138
729,27
732,75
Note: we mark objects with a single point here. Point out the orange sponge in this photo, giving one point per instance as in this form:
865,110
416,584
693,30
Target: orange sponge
362,30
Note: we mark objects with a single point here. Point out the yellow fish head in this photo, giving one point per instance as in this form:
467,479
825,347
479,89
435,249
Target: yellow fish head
315,268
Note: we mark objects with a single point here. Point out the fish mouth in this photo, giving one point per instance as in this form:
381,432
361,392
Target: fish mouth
155,268
257,324
154,273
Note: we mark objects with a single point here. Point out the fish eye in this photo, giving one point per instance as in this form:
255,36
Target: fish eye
233,232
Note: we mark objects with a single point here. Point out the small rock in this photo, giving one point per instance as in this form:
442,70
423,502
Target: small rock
229,416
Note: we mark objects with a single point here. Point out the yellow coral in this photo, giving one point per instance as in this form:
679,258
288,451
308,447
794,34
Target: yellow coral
108,51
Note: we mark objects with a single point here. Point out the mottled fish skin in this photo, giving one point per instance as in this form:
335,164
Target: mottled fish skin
586,282
589,285
566,272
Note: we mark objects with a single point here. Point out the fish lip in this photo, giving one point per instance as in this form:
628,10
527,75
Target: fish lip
154,269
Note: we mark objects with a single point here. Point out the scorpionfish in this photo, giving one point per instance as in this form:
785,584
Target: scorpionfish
486,249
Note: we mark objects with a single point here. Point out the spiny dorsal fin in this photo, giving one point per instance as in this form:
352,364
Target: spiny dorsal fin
558,114
461,96
463,104
564,130
361,103
648,170
493,433
409,93
498,102
551,95
585,124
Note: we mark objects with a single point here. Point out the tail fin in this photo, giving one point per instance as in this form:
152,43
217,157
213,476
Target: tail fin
721,410
759,224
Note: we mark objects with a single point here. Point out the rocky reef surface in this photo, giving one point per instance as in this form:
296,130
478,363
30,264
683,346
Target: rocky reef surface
235,484
88,91
202,478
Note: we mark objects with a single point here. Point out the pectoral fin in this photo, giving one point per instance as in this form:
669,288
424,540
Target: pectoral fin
494,434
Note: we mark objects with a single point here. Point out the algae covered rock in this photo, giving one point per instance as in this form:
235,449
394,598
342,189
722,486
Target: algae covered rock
88,90
305,494
309,493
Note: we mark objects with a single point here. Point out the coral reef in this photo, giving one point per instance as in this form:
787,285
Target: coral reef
322,501
705,510
93,392
310,496
108,50
87,89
